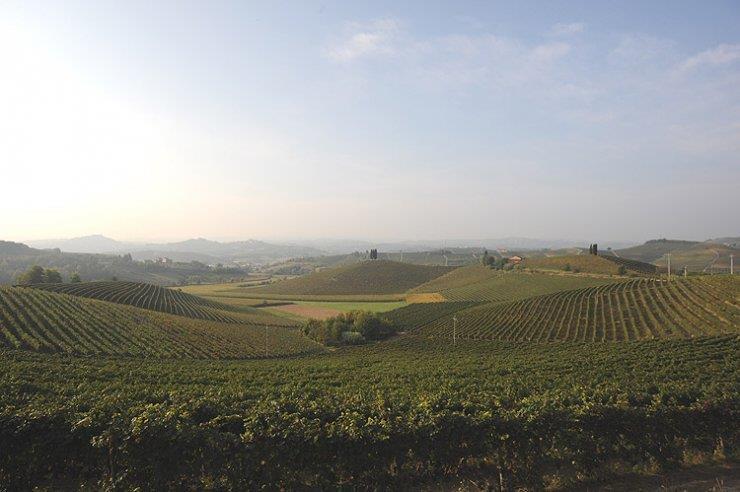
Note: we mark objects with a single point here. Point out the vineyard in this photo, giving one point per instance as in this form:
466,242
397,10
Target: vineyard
416,315
155,298
632,310
402,414
509,286
576,263
633,265
37,320
366,277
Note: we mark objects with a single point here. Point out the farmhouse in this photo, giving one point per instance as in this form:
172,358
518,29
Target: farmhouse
514,259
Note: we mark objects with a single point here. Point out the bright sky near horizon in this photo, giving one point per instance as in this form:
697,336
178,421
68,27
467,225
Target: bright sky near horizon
383,120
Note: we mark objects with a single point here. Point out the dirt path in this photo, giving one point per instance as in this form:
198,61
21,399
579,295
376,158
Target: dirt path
714,260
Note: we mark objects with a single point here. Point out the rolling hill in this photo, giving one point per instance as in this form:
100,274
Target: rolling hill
155,298
632,310
577,263
703,257
479,283
654,249
366,277
43,321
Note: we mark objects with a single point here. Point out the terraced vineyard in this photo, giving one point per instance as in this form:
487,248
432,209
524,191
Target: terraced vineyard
417,315
509,286
148,296
634,265
632,310
366,277
42,321
580,263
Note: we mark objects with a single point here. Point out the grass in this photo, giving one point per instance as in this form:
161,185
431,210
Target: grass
375,307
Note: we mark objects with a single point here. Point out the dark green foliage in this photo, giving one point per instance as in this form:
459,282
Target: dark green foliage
39,275
351,328
393,415
75,278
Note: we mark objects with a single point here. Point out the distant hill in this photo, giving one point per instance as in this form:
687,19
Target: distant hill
366,277
200,249
704,257
9,248
16,258
655,249
95,243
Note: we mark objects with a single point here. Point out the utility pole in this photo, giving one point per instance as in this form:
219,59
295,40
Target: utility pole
732,264
454,330
685,271
669,265
265,340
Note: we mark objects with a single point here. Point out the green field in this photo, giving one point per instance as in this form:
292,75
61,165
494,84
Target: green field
391,415
374,307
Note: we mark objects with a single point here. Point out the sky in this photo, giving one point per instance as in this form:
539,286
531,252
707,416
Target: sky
377,120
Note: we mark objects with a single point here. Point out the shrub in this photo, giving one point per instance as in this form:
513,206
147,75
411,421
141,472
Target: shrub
349,328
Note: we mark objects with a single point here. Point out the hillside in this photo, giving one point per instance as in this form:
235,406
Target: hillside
155,298
633,310
578,263
703,257
366,277
479,283
654,249
16,258
37,320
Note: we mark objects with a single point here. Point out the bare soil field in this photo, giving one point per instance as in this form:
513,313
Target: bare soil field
307,311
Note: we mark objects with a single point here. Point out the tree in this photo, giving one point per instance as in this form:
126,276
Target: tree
622,270
52,277
75,278
34,275
484,259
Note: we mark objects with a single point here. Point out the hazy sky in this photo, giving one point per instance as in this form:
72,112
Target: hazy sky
382,120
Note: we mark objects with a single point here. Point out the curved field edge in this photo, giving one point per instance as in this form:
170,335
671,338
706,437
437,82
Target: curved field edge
42,321
631,310
156,298
411,411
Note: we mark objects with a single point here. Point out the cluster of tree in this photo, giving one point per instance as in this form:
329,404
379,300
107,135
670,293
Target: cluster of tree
352,328
373,254
593,249
493,262
39,275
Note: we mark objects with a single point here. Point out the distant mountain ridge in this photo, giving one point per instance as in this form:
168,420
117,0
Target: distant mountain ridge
199,249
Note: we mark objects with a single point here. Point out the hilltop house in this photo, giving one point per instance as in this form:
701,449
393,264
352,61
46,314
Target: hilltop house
515,260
